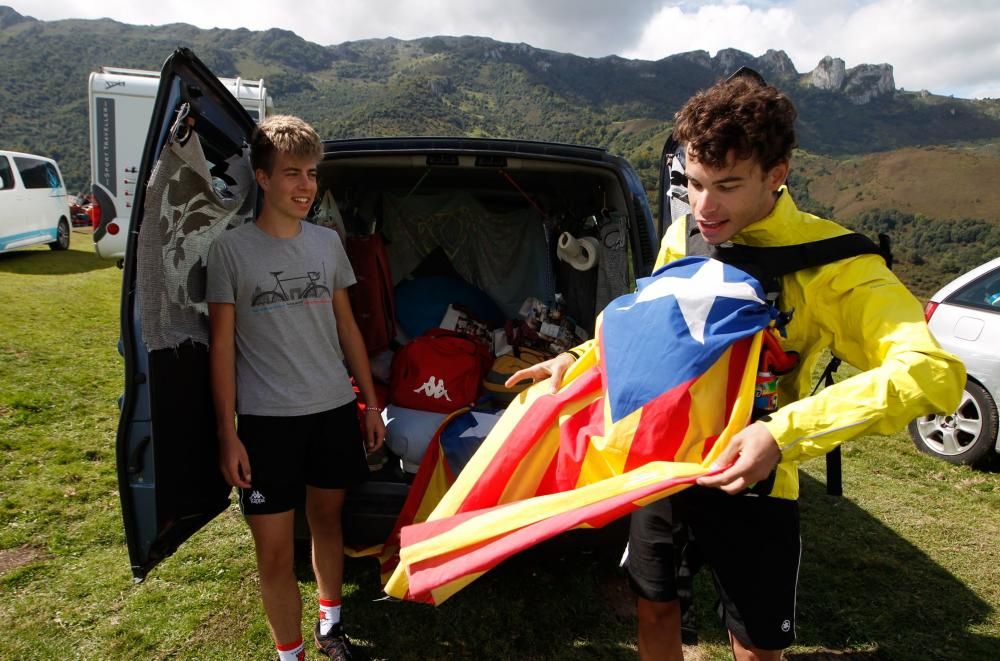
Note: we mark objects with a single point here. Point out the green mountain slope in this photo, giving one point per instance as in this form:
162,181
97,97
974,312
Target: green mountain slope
868,150
440,85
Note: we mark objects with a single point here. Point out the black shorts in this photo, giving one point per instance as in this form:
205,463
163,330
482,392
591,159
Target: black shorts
324,450
752,545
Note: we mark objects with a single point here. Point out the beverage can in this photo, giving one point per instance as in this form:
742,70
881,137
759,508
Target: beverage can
765,394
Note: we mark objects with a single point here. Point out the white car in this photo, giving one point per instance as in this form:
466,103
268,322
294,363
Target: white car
965,318
34,208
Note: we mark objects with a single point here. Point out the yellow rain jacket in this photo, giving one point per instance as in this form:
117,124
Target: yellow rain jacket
857,308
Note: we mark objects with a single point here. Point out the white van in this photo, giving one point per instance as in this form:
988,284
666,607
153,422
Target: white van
34,207
121,105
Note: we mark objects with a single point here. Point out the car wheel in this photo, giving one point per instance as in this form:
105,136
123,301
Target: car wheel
62,236
966,436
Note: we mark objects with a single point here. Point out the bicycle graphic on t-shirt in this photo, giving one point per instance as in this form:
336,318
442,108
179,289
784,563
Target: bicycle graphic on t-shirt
280,294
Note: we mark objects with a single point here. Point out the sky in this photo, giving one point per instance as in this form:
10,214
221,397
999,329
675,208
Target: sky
946,48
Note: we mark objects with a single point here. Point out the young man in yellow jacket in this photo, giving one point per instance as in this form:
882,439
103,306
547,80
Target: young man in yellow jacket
738,137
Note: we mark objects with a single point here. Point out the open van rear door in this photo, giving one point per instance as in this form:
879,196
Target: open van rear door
168,477
673,200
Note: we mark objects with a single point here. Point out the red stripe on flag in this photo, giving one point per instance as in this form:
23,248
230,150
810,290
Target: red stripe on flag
662,427
434,572
574,441
430,463
533,423
548,481
739,352
421,531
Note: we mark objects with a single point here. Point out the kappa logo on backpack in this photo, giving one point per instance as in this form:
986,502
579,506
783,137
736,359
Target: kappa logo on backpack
439,371
434,388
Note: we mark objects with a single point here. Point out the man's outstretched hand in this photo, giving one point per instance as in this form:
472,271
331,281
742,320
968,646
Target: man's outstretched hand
552,369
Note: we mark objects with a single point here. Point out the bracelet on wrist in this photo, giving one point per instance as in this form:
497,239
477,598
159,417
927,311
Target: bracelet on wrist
374,409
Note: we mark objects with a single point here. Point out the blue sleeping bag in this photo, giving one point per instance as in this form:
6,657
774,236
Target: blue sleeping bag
422,302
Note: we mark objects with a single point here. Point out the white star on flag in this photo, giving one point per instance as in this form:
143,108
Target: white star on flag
691,294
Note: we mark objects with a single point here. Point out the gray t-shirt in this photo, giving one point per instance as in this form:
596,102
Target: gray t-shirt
288,355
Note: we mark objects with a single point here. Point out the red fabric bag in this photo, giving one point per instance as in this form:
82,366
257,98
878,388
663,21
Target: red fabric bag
372,297
439,371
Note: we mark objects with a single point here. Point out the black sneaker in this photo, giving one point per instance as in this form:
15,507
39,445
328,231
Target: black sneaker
334,644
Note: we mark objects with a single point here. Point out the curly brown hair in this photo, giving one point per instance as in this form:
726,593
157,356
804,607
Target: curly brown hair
283,133
753,119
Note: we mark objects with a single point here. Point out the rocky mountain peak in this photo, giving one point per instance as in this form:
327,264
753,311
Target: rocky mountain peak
773,65
829,74
777,63
859,84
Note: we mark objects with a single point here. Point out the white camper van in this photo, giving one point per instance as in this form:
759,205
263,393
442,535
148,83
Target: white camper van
34,208
121,104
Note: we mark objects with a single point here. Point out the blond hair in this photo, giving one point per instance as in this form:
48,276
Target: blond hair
286,134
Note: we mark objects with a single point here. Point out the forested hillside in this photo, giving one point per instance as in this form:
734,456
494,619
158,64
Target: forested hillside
446,85
477,86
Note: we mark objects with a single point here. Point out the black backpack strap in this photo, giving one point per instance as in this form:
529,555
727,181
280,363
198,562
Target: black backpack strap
885,249
769,263
776,261
834,468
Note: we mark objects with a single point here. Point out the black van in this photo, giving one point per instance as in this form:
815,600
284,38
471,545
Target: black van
195,180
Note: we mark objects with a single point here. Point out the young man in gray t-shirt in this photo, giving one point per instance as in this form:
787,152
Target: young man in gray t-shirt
281,329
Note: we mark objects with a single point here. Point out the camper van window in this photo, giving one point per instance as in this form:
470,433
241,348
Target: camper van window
35,173
6,176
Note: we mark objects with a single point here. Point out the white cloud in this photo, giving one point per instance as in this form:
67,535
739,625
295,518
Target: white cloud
948,48
711,28
588,27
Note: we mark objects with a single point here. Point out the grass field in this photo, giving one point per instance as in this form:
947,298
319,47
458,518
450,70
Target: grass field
905,566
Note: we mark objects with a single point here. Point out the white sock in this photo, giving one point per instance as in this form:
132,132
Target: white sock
329,615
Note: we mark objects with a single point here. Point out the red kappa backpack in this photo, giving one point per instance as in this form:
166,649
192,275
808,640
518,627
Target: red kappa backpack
439,371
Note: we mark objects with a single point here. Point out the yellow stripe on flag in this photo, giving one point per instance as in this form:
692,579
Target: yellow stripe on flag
601,477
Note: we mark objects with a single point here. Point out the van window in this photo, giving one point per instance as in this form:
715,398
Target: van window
36,173
6,176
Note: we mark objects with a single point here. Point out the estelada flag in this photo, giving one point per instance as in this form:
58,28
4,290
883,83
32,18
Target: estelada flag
640,416
457,438
432,480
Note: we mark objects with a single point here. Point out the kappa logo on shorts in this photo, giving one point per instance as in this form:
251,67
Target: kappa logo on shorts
256,498
786,626
434,388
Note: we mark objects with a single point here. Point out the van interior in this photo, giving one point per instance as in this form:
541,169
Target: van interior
535,246
498,220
